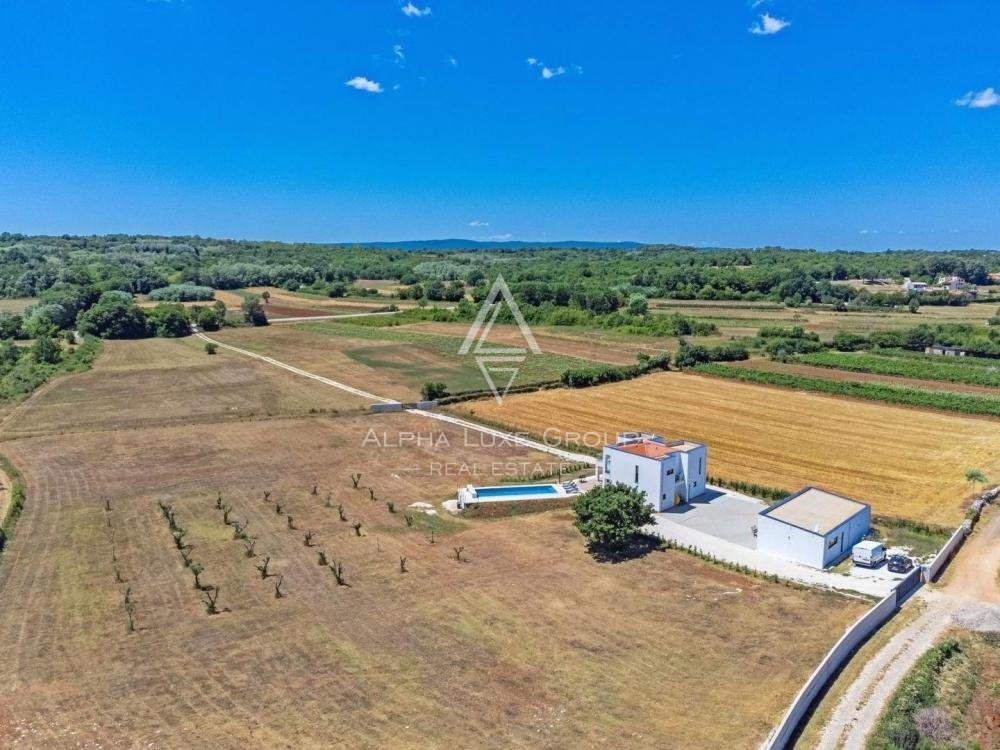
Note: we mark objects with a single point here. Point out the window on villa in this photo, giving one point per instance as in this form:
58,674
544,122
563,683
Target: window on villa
637,475
700,460
832,543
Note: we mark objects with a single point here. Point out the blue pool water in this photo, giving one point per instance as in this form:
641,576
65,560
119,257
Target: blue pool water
517,490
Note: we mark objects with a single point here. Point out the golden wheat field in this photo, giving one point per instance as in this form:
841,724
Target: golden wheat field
905,462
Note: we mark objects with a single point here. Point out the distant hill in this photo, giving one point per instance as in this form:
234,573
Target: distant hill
458,244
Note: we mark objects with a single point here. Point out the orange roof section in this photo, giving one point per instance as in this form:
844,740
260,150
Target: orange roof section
647,449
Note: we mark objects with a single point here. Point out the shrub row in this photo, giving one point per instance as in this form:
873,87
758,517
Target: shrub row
182,293
897,730
584,377
17,499
965,403
690,356
916,527
930,368
752,489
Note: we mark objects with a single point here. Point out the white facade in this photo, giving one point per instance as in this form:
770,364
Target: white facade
668,472
952,283
813,527
913,286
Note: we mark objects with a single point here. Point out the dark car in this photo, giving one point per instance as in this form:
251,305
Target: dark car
900,564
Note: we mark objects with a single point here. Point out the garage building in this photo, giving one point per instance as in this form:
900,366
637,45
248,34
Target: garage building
813,526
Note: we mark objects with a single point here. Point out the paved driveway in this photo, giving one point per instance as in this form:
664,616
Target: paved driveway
726,515
721,523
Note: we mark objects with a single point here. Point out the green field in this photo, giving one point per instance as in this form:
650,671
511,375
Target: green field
891,394
969,370
415,357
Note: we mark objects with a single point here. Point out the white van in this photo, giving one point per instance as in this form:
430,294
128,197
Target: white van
868,554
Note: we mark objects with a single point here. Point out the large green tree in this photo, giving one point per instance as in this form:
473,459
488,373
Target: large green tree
610,515
253,310
115,316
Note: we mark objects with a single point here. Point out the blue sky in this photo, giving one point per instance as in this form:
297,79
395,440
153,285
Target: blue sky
859,125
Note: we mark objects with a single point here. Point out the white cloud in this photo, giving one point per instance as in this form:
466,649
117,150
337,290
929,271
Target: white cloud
984,99
500,237
868,231
413,11
758,3
452,61
548,72
768,24
478,223
363,84
398,53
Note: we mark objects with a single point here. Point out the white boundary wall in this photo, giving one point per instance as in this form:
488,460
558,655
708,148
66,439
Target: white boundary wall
868,623
865,626
945,553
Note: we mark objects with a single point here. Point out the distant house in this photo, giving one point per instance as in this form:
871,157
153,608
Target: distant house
952,283
668,471
944,351
813,527
913,286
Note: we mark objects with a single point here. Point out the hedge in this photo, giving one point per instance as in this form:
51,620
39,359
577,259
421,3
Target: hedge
17,500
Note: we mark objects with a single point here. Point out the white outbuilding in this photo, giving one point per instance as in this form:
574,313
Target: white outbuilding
813,526
670,472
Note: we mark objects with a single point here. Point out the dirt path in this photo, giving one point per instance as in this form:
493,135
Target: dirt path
974,572
508,437
968,597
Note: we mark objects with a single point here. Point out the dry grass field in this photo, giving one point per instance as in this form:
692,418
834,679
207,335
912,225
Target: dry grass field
285,304
391,361
744,318
138,384
905,462
525,642
593,346
16,305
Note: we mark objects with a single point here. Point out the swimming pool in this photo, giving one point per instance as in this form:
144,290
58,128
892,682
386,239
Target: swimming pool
517,490
510,493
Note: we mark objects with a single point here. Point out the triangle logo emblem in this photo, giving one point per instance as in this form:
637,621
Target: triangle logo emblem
489,356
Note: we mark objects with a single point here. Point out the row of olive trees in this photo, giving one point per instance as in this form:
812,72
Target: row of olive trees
128,602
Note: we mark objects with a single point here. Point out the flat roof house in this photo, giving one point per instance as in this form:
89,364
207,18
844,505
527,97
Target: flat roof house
913,286
813,526
668,471
946,351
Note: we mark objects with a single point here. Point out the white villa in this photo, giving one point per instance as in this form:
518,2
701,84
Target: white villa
952,283
670,472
